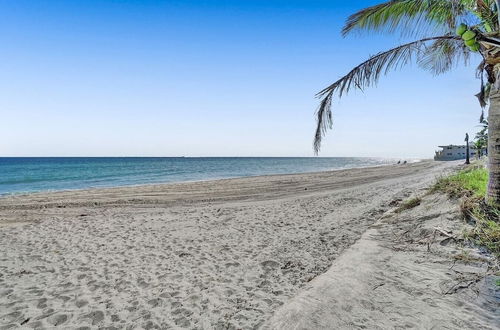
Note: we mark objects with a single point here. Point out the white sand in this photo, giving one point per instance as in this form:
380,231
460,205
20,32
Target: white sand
220,254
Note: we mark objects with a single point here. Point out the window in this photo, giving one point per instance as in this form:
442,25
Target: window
449,154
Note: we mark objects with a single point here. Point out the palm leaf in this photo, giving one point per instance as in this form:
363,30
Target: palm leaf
411,17
484,89
443,55
367,74
486,12
417,17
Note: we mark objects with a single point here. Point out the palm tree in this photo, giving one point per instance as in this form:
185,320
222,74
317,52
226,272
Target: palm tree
479,146
447,32
482,136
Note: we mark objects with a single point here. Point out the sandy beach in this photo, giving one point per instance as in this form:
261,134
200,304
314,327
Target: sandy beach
223,254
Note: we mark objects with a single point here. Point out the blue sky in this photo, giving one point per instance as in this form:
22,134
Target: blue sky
210,78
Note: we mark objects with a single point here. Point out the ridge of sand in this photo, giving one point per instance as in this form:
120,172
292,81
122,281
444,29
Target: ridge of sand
217,254
408,271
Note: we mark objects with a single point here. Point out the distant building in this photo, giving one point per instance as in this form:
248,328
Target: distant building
454,152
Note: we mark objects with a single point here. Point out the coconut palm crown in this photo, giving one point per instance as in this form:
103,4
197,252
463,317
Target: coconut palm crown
446,32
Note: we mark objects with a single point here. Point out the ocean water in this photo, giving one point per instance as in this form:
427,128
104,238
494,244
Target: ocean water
21,175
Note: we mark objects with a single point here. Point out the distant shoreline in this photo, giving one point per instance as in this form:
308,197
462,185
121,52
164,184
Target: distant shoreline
121,181
345,177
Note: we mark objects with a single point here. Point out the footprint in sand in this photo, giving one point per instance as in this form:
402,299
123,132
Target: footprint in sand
4,293
95,317
57,319
42,303
182,322
269,265
154,302
81,303
12,316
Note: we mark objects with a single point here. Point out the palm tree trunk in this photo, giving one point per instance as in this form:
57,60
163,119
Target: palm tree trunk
493,194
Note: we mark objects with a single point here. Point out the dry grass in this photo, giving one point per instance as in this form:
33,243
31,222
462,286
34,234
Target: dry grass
409,204
466,257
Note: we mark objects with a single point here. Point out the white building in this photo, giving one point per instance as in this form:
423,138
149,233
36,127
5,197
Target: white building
454,152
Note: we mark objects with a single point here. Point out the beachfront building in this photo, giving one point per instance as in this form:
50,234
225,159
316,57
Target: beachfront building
454,152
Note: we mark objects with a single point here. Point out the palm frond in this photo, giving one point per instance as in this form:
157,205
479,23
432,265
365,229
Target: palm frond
367,74
325,118
484,89
486,12
411,17
443,55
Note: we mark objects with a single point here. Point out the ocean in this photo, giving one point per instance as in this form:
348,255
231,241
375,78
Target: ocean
35,174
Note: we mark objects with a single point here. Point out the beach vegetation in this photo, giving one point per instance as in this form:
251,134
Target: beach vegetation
469,185
444,34
481,139
468,182
466,257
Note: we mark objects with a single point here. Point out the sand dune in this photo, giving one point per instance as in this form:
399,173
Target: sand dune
409,270
220,254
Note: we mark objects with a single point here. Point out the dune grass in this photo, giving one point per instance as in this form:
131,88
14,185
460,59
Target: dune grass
470,186
470,182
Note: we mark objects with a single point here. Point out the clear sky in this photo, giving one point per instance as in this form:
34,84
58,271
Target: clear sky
210,78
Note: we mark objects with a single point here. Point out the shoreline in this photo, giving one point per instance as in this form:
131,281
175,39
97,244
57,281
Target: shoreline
6,194
141,185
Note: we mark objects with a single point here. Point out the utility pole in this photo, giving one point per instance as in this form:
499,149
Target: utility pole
467,159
